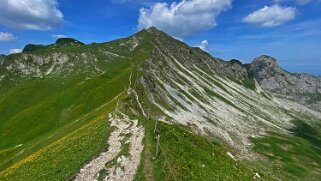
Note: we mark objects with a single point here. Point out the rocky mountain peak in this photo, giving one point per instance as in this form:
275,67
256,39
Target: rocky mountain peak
264,66
158,33
153,30
303,88
265,61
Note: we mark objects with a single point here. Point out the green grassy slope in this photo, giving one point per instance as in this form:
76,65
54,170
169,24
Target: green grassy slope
61,157
292,157
51,126
187,156
71,116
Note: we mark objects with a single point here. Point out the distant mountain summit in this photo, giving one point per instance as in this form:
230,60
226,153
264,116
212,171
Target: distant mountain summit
32,48
68,42
300,87
59,43
264,63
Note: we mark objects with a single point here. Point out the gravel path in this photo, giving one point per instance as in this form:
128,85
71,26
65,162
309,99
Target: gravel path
126,167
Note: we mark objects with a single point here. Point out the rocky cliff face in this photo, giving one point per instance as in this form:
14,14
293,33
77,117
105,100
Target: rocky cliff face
303,88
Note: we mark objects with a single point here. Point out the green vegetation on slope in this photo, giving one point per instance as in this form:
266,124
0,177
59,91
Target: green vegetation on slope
51,126
186,156
72,137
68,41
292,157
60,42
62,158
41,106
32,48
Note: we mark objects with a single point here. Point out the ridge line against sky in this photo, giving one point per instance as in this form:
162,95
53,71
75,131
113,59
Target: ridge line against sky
289,30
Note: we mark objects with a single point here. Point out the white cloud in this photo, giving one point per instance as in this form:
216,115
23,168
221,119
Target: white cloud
183,18
203,45
13,51
30,14
57,36
270,16
6,36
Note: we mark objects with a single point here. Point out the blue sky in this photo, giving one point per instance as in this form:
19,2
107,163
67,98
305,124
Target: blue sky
289,30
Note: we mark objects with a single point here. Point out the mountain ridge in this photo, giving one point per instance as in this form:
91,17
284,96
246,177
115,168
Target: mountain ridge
150,30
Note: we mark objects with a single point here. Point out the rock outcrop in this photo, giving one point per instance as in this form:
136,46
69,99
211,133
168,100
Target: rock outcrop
302,88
